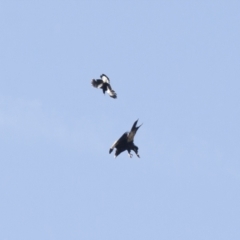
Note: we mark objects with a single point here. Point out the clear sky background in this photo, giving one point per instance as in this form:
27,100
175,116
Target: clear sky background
175,65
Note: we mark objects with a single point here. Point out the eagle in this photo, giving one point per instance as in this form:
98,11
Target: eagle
125,142
104,84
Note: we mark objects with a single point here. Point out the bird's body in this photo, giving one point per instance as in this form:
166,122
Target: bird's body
125,142
104,84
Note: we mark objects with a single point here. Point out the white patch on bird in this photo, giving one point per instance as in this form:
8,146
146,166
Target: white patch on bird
105,79
100,85
111,92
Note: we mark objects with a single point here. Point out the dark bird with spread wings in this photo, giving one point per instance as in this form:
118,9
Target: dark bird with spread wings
125,142
104,84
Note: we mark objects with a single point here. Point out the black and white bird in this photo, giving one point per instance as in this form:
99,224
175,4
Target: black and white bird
104,84
125,142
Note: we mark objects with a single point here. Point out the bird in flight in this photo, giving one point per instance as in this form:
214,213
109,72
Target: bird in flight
104,84
125,142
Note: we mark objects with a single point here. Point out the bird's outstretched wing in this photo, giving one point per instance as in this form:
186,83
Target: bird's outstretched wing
111,92
119,141
97,83
105,78
133,131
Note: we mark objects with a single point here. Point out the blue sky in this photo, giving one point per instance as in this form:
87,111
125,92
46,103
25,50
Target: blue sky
174,65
